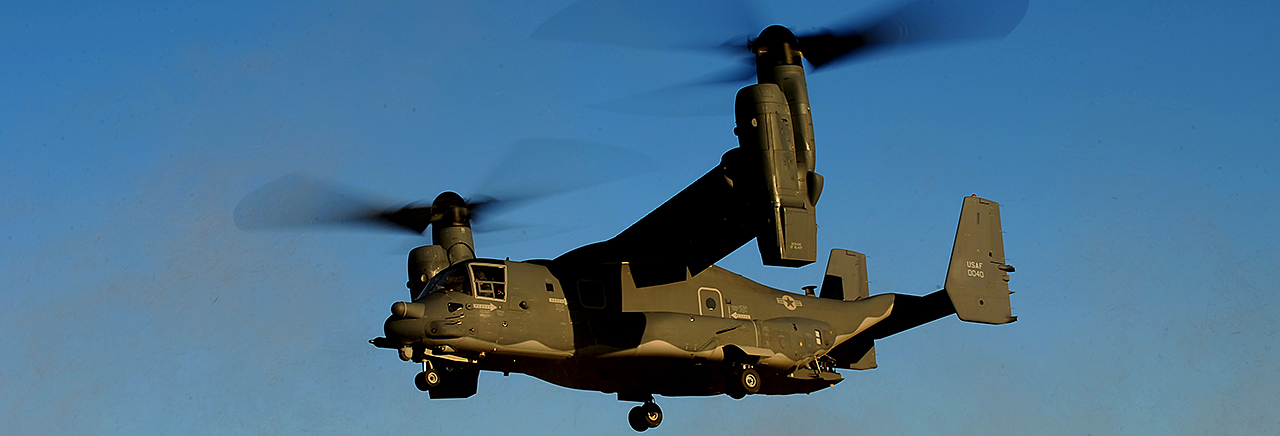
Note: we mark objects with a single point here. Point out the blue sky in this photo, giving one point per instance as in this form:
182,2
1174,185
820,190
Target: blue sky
1133,146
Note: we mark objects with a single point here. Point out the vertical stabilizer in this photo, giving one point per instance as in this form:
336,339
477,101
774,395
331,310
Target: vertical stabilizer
846,277
978,279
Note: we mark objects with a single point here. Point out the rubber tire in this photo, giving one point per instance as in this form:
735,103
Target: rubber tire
749,379
636,419
734,390
427,379
652,414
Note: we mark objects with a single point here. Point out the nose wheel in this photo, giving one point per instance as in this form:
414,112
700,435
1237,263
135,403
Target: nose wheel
427,379
645,416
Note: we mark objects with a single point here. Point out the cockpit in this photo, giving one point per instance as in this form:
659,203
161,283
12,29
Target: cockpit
484,279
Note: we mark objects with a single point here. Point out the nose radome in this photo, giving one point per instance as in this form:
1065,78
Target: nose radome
404,330
403,309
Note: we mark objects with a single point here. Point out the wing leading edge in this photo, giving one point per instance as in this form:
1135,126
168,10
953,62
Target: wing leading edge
685,235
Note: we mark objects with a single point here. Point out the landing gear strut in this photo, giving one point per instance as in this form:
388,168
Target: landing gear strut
645,416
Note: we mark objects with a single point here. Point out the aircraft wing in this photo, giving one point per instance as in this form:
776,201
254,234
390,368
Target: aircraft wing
693,230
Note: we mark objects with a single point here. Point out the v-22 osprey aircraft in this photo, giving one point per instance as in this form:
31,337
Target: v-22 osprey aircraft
648,313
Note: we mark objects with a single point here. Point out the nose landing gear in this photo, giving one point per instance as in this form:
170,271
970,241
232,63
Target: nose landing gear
428,378
444,381
645,416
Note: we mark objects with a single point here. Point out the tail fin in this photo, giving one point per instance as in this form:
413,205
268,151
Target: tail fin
846,277
977,279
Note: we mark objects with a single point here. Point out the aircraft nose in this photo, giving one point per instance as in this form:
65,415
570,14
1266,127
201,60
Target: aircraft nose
413,322
406,324
405,330
402,309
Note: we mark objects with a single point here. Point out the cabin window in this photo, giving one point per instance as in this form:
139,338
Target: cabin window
591,294
449,280
490,281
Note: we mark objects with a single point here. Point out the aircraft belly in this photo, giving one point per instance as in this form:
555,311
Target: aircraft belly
669,377
669,334
689,355
675,336
531,349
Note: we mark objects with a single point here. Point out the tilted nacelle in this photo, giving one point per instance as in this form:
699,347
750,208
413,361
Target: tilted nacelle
786,187
449,217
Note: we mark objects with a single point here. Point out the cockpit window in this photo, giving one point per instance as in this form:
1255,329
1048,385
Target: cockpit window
490,281
449,280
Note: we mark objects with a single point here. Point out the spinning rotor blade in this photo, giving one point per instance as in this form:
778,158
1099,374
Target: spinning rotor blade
531,170
686,25
717,26
922,21
300,201
296,200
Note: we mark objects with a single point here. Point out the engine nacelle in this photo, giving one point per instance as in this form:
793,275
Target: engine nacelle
424,263
781,184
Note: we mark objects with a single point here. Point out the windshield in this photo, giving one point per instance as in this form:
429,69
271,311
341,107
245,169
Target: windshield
449,280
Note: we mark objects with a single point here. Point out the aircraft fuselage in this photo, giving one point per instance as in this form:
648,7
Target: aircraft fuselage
592,329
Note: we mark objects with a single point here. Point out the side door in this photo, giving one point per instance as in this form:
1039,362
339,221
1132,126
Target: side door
489,286
710,302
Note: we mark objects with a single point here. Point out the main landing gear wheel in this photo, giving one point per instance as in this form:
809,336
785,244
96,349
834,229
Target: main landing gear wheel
742,383
645,416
